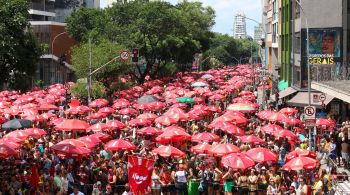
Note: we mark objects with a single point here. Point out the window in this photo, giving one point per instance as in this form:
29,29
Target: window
274,33
297,10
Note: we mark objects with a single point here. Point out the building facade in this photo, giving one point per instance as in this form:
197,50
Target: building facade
58,43
239,26
258,32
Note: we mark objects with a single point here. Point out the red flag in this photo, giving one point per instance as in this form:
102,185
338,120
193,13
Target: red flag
140,174
34,178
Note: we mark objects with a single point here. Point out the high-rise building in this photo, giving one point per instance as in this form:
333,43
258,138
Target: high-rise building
51,33
239,26
258,32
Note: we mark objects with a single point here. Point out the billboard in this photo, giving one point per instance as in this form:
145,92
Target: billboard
324,46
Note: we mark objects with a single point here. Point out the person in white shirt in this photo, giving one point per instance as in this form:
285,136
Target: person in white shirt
76,191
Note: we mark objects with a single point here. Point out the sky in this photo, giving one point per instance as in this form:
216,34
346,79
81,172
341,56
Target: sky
226,9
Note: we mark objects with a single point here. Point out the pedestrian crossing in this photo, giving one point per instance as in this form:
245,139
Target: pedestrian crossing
342,188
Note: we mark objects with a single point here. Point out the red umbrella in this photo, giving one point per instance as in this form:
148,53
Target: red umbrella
72,125
201,148
149,131
245,93
33,118
141,106
149,116
90,140
271,128
97,115
167,151
300,152
262,155
98,103
119,144
285,133
70,150
237,161
223,149
98,127
173,136
48,116
36,132
265,114
77,143
12,139
291,121
234,130
325,122
288,111
121,104
173,128
115,124
47,107
278,117
217,97
128,111
251,139
101,136
106,110
139,122
6,151
218,124
20,134
156,105
165,121
300,163
13,145
205,137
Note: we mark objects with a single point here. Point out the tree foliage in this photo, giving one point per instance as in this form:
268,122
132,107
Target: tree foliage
79,90
19,50
163,33
101,53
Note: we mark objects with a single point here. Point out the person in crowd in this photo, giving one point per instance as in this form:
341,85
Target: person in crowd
156,185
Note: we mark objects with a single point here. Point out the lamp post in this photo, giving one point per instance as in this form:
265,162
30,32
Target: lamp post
308,67
52,54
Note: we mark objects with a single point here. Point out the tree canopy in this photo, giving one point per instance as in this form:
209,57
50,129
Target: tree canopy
19,50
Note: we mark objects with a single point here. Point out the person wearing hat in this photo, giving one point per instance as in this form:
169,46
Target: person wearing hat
262,181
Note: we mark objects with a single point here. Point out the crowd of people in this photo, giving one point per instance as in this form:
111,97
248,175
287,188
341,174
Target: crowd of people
106,172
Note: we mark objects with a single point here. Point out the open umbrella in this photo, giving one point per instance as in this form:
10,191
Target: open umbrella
286,133
186,100
99,103
101,136
199,84
234,130
13,145
115,124
98,127
205,137
300,163
262,155
201,148
241,107
288,111
119,144
173,136
237,161
149,116
223,149
165,120
149,131
251,139
128,111
325,122
271,128
72,125
77,143
35,132
70,150
47,107
6,151
167,151
139,122
20,134
147,99
93,141
16,124
300,152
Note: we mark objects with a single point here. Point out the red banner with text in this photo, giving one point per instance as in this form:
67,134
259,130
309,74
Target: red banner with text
140,174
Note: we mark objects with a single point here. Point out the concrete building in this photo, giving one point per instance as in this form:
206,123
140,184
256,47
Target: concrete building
239,26
328,54
52,34
258,32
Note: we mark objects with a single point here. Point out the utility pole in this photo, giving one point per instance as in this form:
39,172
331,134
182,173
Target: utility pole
89,78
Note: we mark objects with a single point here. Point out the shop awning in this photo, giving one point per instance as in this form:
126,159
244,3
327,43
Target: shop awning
339,89
286,92
301,99
282,85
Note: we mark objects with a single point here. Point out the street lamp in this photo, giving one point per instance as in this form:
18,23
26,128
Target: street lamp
308,66
52,54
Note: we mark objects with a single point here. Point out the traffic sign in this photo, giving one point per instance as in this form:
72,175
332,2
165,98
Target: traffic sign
310,123
322,97
124,55
310,112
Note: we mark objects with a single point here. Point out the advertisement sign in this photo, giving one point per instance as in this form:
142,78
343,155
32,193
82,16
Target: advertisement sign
140,174
324,46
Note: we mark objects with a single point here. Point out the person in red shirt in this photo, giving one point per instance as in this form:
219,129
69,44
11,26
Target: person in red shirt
165,180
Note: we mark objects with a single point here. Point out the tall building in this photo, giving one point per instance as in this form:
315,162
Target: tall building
258,32
51,33
239,26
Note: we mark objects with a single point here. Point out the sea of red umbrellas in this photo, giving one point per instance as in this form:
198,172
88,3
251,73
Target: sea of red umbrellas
177,105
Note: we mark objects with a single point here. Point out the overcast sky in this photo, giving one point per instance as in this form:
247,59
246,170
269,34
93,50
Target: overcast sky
226,9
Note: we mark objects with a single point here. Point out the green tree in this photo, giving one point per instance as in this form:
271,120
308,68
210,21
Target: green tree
85,23
79,90
19,51
101,53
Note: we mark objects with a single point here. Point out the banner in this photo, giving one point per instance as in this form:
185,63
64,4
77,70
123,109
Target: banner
140,174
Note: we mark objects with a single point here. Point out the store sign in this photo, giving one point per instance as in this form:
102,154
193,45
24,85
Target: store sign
321,60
